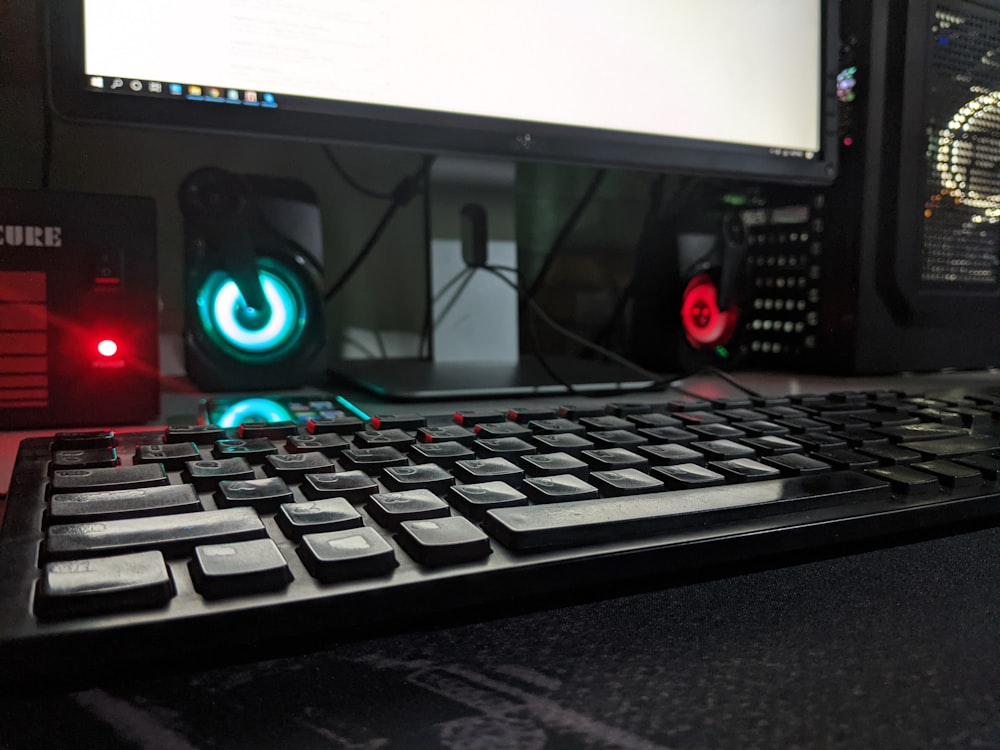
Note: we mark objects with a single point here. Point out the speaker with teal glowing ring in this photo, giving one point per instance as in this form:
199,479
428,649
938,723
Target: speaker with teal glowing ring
253,300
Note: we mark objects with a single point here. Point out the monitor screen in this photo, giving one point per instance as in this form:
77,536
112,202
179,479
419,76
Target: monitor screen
713,87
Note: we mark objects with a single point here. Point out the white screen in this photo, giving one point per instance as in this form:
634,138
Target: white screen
717,70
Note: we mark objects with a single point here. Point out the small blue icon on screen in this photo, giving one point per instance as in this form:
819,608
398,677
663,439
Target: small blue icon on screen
176,88
269,98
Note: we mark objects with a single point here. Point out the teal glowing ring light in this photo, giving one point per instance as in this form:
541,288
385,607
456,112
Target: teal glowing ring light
253,410
248,334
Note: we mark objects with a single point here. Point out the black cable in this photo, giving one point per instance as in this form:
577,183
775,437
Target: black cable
346,177
402,194
732,381
567,228
573,336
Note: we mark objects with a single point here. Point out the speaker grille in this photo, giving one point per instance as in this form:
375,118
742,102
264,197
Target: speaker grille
961,224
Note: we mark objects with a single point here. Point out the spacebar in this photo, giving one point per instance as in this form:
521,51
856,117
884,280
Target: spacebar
579,522
173,535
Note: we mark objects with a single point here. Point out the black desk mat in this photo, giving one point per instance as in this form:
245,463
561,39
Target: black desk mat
897,647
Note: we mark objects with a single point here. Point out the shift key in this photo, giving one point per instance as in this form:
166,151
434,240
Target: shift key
174,535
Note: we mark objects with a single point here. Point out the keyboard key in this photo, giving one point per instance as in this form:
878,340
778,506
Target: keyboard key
557,489
443,541
505,447
200,434
525,414
91,458
502,429
952,447
920,431
772,445
890,455
330,514
446,432
572,524
721,450
79,507
118,478
607,422
345,555
254,450
117,583
398,421
988,466
844,458
616,438
613,459
624,482
84,440
550,464
907,481
292,467
238,568
173,535
374,438
952,474
555,426
654,419
337,426
372,460
262,494
206,475
669,455
717,430
563,442
443,454
171,455
744,470
626,408
668,435
478,470
355,486
687,476
475,499
329,444
389,509
270,430
472,417
423,476
796,465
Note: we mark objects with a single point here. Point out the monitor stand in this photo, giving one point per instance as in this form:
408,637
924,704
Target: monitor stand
474,323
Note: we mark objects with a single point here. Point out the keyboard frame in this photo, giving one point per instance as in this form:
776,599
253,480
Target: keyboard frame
257,625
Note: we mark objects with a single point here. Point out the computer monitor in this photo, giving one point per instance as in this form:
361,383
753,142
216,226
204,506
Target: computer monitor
737,90
733,89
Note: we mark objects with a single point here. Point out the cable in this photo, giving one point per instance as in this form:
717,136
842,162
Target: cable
402,194
732,381
556,248
573,336
346,177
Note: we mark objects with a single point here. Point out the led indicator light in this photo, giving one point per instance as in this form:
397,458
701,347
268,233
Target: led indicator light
107,348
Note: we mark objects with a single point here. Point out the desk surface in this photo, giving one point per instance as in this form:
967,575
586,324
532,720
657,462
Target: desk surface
894,647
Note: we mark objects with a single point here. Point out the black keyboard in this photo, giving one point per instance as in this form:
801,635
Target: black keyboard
140,547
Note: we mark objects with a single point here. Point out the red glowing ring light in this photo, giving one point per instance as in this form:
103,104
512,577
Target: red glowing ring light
705,325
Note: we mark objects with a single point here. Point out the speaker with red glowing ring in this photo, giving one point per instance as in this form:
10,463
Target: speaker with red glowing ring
705,326
253,300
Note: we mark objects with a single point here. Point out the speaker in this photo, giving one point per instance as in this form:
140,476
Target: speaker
912,248
253,313
79,340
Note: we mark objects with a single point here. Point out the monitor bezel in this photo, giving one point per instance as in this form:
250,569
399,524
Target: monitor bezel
429,132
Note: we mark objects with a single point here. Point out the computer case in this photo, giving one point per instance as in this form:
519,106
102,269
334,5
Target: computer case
910,270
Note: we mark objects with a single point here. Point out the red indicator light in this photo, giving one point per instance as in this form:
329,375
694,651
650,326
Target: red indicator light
848,141
107,348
